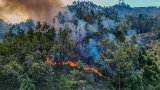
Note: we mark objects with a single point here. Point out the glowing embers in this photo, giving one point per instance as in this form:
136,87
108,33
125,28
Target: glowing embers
49,61
72,64
97,72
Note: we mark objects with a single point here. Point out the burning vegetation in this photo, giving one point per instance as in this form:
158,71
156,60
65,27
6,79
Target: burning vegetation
88,50
72,64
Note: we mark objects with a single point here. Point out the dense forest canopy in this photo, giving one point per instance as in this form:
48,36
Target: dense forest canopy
93,48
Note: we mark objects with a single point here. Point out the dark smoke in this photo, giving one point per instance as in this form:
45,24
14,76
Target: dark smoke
39,10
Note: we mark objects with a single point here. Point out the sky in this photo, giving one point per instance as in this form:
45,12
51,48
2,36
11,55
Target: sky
133,3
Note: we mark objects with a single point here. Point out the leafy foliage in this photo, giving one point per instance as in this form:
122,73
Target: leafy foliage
130,66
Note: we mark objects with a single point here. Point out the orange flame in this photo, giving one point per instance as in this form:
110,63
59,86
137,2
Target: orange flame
72,64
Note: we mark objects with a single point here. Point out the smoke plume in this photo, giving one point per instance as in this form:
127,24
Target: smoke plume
39,10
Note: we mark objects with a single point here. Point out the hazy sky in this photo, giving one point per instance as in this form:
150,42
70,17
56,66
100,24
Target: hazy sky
18,16
133,3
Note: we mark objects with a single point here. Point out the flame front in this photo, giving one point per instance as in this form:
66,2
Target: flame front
72,64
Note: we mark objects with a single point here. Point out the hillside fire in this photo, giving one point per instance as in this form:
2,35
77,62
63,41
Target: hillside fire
73,64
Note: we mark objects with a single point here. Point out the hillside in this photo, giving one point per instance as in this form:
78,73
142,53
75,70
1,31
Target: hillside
85,16
5,27
86,47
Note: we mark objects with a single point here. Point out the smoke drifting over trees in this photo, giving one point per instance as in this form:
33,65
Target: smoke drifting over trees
39,10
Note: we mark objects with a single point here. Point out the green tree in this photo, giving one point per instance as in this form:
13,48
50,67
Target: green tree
26,83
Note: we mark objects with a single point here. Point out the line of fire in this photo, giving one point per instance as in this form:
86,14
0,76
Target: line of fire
71,63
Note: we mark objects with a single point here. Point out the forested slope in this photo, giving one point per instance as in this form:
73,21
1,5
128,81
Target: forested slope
87,47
